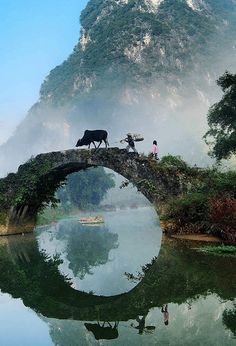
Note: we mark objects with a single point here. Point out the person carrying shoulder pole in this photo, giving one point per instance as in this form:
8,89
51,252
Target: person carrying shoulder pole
129,139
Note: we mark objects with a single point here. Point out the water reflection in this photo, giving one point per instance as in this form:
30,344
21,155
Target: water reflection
229,319
141,326
103,330
193,291
96,257
165,312
86,246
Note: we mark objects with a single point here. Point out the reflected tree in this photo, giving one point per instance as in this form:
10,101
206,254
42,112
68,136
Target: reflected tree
229,320
178,275
67,332
31,275
87,246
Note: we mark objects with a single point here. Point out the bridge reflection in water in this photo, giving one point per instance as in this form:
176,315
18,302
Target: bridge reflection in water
178,275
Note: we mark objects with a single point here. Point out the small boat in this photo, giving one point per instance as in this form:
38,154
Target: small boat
91,220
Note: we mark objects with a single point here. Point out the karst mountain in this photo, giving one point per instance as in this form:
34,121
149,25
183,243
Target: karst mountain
146,66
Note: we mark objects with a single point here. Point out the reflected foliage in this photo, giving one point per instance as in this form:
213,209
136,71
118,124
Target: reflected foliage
178,275
229,320
31,275
181,273
87,246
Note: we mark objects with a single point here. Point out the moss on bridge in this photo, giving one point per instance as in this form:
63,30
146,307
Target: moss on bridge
25,193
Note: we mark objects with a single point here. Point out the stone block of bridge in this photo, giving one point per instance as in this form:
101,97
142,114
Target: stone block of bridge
25,192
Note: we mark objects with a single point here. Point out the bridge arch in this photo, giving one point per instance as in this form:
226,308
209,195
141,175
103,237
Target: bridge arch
27,191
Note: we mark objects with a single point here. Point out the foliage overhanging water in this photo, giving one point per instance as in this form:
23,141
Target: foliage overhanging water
67,282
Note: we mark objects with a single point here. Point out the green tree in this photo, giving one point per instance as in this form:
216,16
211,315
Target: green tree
222,120
86,187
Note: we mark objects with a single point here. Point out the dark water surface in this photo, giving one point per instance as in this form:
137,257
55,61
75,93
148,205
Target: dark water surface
66,285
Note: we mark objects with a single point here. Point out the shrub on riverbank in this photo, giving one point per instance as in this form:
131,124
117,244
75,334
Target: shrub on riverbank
53,214
208,207
222,215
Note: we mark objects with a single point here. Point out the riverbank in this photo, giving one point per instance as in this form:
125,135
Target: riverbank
207,207
51,215
198,237
197,232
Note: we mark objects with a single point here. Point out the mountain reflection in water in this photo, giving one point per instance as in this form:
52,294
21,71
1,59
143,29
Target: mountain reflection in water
195,292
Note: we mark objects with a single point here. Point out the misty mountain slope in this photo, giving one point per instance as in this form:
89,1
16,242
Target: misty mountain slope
128,42
140,65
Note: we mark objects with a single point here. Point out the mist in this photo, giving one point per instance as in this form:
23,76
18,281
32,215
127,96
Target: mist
175,116
171,109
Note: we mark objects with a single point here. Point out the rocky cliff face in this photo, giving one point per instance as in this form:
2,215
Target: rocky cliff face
127,42
140,65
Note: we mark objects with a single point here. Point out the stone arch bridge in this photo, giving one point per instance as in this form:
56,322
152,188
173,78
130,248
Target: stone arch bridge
24,193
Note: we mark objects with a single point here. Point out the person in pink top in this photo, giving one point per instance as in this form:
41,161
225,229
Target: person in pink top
155,150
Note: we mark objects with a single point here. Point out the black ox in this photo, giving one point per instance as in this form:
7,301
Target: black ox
93,136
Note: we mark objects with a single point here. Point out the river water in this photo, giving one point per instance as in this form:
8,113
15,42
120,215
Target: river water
120,283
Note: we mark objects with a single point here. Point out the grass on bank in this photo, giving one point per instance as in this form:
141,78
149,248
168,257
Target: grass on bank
50,214
220,250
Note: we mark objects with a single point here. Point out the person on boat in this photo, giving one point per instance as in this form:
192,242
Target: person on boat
129,139
155,150
165,312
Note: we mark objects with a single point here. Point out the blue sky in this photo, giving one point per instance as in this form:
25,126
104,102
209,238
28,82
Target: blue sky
35,36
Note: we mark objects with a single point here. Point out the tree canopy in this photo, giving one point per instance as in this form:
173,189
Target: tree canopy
222,120
86,188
